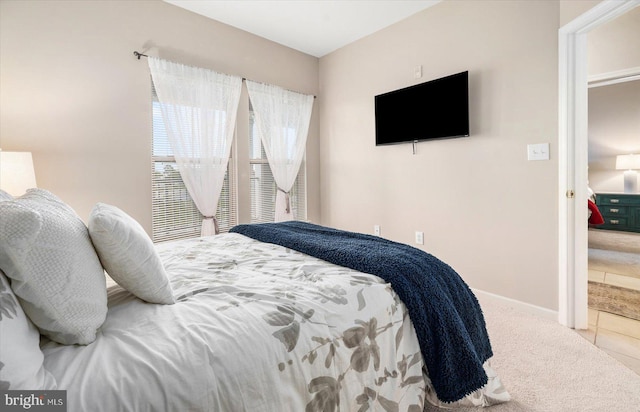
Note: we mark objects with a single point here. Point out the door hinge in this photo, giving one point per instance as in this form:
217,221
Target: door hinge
571,194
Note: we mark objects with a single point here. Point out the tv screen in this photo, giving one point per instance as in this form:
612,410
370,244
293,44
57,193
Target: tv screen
432,110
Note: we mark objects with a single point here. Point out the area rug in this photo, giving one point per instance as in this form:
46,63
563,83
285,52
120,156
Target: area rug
614,299
547,367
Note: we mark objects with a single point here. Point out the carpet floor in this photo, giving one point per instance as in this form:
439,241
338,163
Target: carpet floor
547,367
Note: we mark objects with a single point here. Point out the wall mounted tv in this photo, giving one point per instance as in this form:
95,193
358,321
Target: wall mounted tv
435,109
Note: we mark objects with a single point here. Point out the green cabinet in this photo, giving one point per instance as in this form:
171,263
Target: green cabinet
620,211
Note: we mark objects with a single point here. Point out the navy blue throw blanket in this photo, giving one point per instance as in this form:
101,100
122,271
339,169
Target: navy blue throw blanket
445,313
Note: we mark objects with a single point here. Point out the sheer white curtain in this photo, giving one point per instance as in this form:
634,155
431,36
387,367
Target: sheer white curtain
282,117
199,108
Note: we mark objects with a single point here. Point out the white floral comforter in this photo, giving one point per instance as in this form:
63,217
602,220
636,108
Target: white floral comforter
256,327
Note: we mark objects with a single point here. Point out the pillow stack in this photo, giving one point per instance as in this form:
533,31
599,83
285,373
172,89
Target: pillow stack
55,283
56,264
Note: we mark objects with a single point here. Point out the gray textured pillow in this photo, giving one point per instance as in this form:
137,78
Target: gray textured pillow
21,360
128,254
46,250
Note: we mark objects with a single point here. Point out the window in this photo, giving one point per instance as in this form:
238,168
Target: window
174,215
263,185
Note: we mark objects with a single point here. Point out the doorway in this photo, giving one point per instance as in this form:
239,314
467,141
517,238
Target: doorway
573,159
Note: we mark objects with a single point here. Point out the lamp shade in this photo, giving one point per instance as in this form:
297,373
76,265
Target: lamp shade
16,172
628,162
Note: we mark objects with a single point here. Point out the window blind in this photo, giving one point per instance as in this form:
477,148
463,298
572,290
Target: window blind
263,185
174,214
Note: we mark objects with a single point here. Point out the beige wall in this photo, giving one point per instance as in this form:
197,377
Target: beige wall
615,45
72,92
483,208
570,9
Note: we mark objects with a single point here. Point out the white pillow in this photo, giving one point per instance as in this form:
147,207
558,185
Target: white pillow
128,254
46,251
21,359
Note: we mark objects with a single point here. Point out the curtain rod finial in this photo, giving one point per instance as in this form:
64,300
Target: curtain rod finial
138,54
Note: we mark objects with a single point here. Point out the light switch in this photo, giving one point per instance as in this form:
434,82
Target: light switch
538,151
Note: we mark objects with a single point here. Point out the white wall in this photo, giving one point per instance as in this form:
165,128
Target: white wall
72,92
484,209
614,128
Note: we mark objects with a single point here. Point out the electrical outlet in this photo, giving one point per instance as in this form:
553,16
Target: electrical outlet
376,230
420,238
417,71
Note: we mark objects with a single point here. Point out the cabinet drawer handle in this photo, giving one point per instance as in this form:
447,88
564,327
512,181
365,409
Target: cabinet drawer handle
614,210
614,221
614,200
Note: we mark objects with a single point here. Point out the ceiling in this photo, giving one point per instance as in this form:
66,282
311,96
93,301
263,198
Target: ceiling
315,27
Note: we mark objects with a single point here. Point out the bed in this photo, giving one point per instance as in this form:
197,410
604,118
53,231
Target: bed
219,323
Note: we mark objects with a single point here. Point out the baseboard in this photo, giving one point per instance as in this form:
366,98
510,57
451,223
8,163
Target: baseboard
516,304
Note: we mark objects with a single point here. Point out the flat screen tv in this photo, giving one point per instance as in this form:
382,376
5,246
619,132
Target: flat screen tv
435,109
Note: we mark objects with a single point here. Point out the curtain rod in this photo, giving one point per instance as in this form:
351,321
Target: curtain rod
138,55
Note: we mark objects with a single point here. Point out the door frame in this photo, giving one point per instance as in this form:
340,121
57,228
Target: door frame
573,159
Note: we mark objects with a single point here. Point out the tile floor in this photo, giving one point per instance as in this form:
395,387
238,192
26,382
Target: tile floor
617,335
